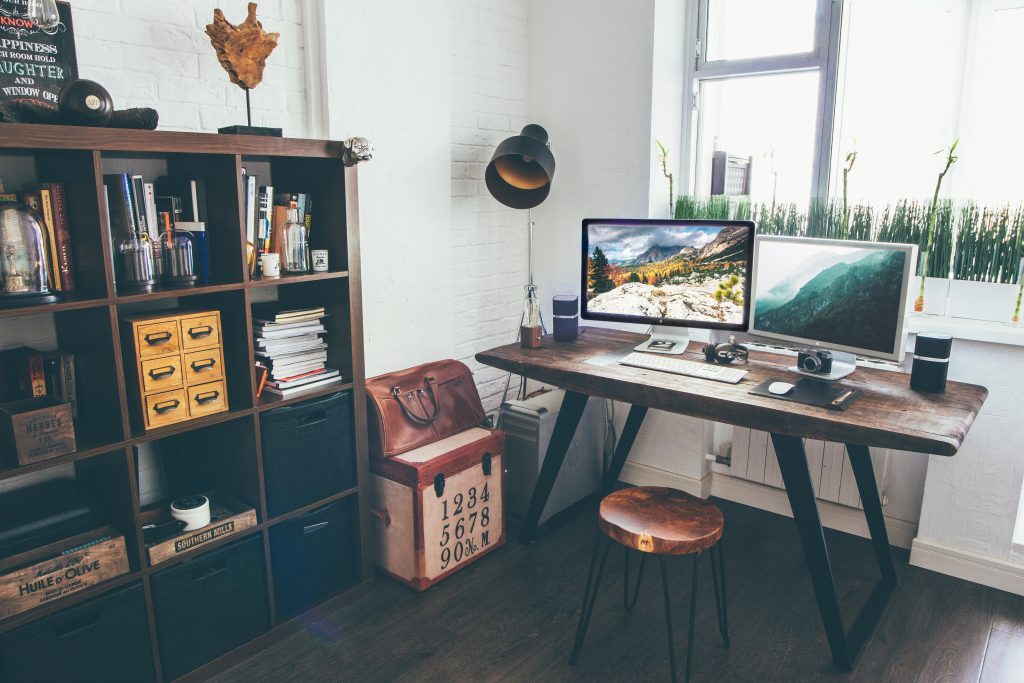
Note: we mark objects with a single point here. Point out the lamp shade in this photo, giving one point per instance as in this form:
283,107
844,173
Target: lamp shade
521,169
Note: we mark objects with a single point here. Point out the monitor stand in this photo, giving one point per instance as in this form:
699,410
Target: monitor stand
843,365
665,339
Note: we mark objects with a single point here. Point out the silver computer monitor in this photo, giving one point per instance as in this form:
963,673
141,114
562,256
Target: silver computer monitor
838,295
670,274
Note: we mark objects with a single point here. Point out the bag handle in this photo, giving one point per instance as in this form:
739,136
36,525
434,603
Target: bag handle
431,384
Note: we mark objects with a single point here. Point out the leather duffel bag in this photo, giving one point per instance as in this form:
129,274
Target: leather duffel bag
421,405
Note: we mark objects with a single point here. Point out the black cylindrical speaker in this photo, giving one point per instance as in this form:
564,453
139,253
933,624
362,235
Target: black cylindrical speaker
565,309
931,362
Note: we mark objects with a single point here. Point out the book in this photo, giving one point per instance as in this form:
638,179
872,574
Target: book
249,187
301,200
265,197
191,192
22,374
62,229
50,201
315,328
119,204
304,378
272,312
59,370
285,393
138,191
279,217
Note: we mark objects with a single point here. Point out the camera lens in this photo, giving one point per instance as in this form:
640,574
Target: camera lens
810,363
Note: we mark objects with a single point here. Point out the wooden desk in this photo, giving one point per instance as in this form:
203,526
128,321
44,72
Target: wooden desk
888,415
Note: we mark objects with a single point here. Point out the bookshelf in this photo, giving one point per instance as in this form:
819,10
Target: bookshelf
86,324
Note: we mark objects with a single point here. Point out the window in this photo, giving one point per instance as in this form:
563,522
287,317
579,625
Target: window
761,91
784,92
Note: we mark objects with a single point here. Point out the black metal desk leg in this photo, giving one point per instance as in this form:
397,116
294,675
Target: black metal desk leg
565,428
846,645
629,431
793,465
864,473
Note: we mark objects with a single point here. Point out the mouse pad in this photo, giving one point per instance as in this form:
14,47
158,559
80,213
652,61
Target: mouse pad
811,392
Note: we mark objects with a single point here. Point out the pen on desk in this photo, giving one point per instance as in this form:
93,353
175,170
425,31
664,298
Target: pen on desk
838,400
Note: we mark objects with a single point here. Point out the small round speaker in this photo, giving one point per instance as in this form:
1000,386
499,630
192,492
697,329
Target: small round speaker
85,103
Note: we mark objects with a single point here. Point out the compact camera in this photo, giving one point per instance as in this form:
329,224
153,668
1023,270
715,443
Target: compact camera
815,361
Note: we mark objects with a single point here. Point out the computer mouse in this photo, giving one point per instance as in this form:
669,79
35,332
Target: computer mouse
780,388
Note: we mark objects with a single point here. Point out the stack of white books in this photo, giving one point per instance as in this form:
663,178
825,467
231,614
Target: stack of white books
290,345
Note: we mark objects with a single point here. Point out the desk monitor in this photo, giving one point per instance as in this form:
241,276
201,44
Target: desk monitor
667,273
838,295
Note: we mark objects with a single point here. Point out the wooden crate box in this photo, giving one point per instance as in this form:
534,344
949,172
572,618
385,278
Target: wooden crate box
439,507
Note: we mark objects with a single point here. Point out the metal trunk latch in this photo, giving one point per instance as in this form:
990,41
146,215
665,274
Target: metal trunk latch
439,485
486,462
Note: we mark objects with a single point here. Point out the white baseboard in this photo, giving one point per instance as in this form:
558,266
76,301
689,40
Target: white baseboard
963,564
833,516
638,474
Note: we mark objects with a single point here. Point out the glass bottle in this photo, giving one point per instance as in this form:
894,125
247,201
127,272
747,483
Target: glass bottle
178,263
294,245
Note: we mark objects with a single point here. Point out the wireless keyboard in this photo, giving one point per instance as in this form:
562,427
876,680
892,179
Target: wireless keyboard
678,366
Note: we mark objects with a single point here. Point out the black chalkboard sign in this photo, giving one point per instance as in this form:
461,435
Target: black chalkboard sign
35,63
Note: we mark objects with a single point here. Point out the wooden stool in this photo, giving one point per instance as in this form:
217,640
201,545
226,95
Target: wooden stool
661,522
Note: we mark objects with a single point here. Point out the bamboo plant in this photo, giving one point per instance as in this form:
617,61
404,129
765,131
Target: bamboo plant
663,158
932,220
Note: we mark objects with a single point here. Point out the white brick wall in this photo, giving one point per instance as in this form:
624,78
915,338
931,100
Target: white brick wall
151,53
489,72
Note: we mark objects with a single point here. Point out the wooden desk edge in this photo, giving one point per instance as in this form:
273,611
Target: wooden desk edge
758,417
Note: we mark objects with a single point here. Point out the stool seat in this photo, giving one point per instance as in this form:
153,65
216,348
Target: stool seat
663,521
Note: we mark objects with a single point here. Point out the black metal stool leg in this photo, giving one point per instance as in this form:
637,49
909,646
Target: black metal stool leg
718,576
590,596
693,616
626,602
668,618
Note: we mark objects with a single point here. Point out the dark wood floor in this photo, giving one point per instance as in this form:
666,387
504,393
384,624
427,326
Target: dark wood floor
512,616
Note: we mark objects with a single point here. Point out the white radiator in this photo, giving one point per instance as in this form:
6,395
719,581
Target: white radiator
751,456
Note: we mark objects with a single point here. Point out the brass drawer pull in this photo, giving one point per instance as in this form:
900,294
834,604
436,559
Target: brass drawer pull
160,373
166,406
154,338
199,332
200,365
205,398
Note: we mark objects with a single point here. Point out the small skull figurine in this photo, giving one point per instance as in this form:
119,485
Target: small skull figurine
356,150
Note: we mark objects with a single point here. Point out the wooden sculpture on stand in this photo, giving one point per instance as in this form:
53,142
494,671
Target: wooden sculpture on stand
243,50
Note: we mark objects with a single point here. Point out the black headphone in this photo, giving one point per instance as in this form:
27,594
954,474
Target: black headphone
725,353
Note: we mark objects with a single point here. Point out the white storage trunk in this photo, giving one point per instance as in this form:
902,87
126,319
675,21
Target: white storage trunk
528,426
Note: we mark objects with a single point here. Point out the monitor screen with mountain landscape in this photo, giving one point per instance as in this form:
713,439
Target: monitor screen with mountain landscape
851,296
686,273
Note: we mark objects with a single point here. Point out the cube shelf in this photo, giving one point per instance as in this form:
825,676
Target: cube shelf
220,451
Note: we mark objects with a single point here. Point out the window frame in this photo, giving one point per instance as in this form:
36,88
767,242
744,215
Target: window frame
824,59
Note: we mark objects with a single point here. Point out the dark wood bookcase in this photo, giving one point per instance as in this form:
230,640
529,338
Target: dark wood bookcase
86,324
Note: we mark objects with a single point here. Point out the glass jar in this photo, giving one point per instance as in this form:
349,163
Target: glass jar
137,269
294,245
178,264
24,268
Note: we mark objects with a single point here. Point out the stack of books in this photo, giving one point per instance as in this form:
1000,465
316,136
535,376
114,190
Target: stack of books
291,353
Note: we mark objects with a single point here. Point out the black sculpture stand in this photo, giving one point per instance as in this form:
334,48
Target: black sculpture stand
251,129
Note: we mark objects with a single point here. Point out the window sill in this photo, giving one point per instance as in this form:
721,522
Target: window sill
970,330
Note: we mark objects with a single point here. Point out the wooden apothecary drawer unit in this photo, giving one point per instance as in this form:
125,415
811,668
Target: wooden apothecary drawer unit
178,366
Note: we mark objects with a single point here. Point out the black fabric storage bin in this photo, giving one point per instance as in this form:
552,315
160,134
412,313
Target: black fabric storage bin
210,604
313,556
308,452
103,639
